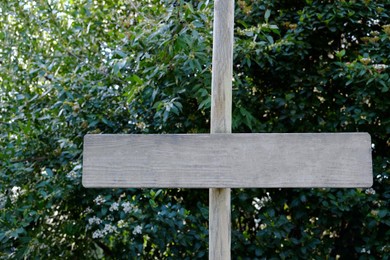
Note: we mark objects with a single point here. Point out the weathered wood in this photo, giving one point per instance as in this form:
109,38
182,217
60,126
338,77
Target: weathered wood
228,160
220,122
222,67
219,224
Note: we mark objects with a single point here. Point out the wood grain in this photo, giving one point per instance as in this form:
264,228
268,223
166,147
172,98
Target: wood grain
220,122
228,160
220,224
222,67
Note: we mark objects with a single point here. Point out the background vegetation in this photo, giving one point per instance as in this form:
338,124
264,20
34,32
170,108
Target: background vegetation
72,67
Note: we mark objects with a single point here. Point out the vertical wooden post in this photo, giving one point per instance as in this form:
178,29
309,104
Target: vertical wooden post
221,118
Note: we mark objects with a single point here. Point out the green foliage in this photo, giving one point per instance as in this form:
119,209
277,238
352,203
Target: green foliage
68,68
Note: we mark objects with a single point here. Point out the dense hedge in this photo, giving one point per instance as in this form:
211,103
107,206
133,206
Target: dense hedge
68,68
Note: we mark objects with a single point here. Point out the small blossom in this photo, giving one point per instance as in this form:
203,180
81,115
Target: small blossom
259,203
88,210
114,206
16,192
141,125
99,200
71,175
109,229
121,223
380,67
97,234
94,220
127,207
137,230
370,191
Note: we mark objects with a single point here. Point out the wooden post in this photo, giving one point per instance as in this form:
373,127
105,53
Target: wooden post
221,118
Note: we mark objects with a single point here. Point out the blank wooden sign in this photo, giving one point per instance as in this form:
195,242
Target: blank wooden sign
228,160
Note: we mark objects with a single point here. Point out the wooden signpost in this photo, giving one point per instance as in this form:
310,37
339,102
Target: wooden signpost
221,160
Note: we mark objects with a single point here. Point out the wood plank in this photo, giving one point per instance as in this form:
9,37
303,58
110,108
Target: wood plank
221,122
222,67
219,223
228,160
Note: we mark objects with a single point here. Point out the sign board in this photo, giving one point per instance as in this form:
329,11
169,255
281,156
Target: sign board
228,160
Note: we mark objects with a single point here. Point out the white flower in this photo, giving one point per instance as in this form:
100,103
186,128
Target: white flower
137,230
99,200
259,203
97,234
121,223
127,207
88,210
93,220
16,192
380,67
114,206
71,175
109,229
370,191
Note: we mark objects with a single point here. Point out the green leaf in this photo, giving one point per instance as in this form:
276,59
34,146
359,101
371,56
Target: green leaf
49,172
270,39
267,14
152,203
385,87
383,213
